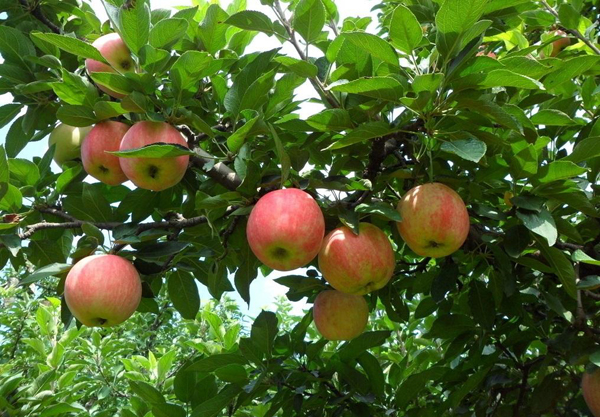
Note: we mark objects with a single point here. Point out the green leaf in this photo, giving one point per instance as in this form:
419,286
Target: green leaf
470,149
252,20
23,170
382,209
264,330
232,373
454,18
95,203
14,46
189,69
135,25
246,273
415,383
569,17
115,82
570,69
79,116
183,292
214,406
213,29
330,119
373,45
584,150
591,282
383,88
237,139
581,256
541,223
156,150
405,29
16,138
559,170
427,82
298,66
563,268
362,343
4,172
71,45
450,326
54,269
214,362
309,19
551,117
167,31
373,369
8,112
284,158
362,133
147,392
507,78
62,409
481,302
108,109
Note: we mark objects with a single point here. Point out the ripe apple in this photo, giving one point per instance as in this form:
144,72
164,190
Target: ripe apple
435,221
285,229
104,137
357,264
489,54
590,385
153,173
103,290
68,140
340,316
116,53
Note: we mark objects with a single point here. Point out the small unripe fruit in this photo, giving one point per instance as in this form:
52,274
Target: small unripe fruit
340,316
68,140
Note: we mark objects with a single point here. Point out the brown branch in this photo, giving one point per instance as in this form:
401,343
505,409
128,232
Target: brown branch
37,13
573,32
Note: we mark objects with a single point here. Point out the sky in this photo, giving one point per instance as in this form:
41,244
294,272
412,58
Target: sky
263,290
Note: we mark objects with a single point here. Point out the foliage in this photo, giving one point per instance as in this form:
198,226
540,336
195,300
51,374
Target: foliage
502,327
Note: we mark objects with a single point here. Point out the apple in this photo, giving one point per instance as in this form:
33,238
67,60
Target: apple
590,385
340,316
357,264
104,137
68,140
103,290
155,174
285,229
489,54
435,221
116,53
559,44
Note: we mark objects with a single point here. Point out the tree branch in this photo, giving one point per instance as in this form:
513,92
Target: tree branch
37,13
573,32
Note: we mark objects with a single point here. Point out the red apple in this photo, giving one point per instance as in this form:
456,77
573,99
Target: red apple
340,316
357,264
103,290
116,53
435,221
590,385
67,140
153,173
104,137
559,44
285,229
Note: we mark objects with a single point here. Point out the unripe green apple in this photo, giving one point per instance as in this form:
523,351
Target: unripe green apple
68,140
590,385
155,174
116,53
357,264
104,137
435,221
340,316
285,229
103,290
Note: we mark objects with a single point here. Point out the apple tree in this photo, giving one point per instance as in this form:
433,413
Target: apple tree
481,294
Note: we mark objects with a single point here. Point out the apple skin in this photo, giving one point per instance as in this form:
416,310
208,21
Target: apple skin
104,137
435,221
559,44
340,316
68,140
155,174
590,385
103,290
285,229
116,53
357,264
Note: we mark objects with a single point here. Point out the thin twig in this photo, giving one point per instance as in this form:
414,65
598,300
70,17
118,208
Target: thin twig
37,13
573,32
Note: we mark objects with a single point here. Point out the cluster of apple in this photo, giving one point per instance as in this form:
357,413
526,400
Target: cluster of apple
93,146
286,230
